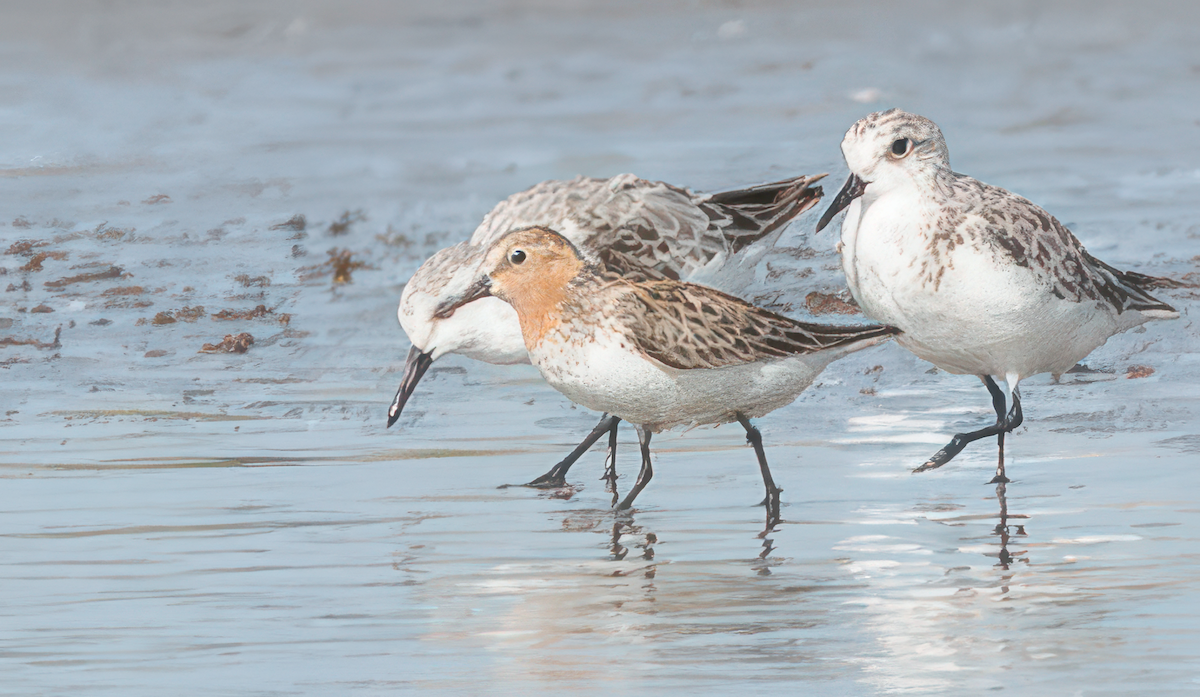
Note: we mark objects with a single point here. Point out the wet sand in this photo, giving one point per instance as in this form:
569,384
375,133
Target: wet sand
240,521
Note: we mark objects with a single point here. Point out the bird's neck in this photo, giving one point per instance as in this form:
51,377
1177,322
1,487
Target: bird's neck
539,304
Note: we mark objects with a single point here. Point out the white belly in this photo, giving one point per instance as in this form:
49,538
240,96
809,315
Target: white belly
603,376
969,310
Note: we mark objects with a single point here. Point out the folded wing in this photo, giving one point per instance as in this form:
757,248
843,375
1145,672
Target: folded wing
685,326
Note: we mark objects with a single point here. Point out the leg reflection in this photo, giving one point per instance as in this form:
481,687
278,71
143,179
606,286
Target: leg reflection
616,549
1006,531
762,565
624,526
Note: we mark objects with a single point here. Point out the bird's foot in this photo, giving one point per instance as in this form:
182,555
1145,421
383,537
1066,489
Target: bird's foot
549,480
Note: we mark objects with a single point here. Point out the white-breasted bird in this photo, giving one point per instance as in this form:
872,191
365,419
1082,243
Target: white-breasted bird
630,226
979,280
656,353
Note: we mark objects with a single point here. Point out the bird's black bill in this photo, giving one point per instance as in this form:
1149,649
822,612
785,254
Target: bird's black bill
479,289
418,362
852,189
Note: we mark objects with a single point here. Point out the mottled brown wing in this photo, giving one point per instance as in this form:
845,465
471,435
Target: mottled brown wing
647,229
675,233
651,226
1034,239
685,325
547,203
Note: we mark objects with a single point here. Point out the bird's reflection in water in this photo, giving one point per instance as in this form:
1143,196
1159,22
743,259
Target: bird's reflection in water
762,565
1006,532
625,527
773,517
610,469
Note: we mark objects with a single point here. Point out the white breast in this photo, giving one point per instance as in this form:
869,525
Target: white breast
882,250
962,305
604,376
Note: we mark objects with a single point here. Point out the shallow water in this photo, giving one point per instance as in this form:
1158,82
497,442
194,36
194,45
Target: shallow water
225,523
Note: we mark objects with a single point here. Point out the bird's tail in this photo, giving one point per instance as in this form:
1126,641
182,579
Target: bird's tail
1128,289
1144,282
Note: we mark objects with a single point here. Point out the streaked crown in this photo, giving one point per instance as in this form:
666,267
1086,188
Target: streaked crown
894,144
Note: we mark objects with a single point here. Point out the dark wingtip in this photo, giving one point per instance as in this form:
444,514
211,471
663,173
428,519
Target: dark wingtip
874,331
758,211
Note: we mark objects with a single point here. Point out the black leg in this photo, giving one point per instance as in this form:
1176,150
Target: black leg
754,438
999,405
961,440
997,397
1015,417
956,445
1011,421
556,477
1000,478
610,463
644,475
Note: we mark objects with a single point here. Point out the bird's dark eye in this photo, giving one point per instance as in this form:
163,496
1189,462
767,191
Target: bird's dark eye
517,257
901,147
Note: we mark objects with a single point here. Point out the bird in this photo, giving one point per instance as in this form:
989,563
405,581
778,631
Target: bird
979,280
657,353
636,227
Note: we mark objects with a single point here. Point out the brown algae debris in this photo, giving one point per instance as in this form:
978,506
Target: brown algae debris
125,296
9,341
230,344
189,314
297,223
110,272
259,312
35,262
124,290
828,304
248,281
24,247
342,225
184,314
341,262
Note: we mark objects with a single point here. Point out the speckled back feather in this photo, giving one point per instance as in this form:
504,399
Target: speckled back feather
686,326
651,229
1025,234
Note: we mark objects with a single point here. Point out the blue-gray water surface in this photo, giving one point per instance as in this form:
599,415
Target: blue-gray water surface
182,521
